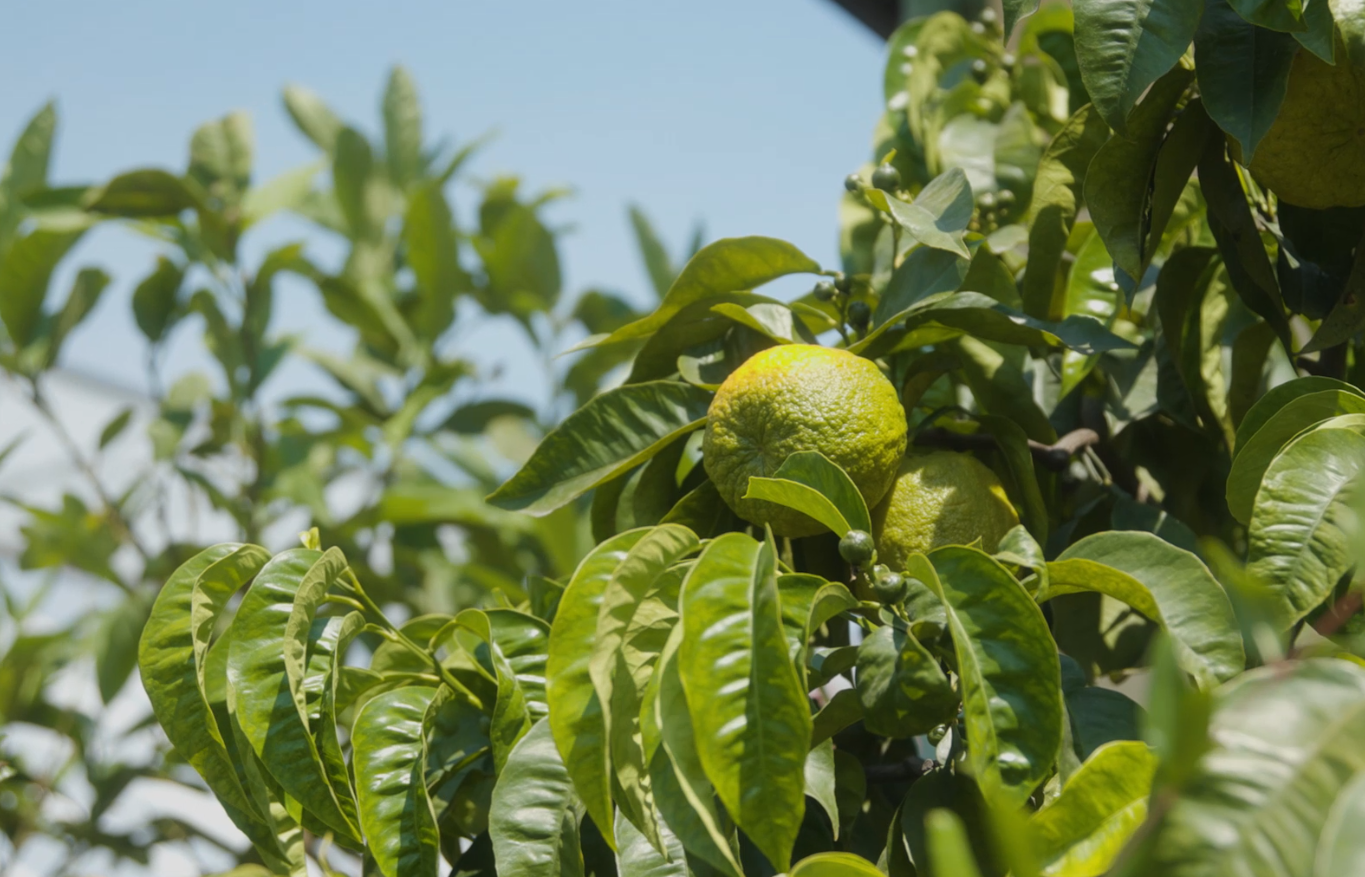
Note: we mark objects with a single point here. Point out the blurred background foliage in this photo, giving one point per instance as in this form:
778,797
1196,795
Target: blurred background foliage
392,465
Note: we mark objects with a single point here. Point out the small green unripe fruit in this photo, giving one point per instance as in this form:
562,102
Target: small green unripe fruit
980,70
889,587
825,291
853,184
886,178
859,315
842,283
987,200
857,548
1005,198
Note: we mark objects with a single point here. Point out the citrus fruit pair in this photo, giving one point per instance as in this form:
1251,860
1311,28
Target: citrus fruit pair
801,397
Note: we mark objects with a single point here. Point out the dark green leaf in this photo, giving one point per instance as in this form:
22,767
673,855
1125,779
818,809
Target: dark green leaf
1118,184
144,194
1015,10
1010,676
1239,241
810,483
726,266
1123,46
1168,585
614,432
433,253
1276,15
24,275
1056,199
390,754
1243,71
154,299
902,689
751,718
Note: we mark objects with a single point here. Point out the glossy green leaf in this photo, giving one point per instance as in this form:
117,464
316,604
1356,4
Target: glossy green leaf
636,856
1168,585
1243,72
1118,186
533,820
1021,476
902,689
1080,832
726,266
1255,457
613,433
1302,534
172,654
834,865
1286,741
1008,670
577,715
939,215
810,483
389,749
1052,212
1281,395
266,665
998,383
633,624
749,713
25,273
1319,35
1123,46
981,316
844,709
511,718
684,795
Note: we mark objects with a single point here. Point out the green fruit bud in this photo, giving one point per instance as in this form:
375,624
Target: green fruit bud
842,283
859,315
886,178
853,184
987,200
825,291
857,548
889,588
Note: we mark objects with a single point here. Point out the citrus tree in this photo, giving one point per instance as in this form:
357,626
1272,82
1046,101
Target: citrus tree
1023,543
391,461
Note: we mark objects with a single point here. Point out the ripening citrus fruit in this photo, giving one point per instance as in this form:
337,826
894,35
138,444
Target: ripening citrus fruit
1314,154
802,397
943,498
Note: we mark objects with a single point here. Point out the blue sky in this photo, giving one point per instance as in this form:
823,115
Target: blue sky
745,115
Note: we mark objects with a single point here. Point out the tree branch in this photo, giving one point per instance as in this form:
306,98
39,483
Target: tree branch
1056,456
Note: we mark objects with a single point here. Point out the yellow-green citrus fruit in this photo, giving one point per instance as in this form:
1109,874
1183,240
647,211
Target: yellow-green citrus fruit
1314,154
943,498
802,397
